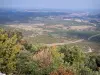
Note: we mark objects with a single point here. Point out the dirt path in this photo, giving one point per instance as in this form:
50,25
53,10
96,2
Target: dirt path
93,36
70,42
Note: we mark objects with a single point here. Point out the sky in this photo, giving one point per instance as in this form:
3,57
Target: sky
52,4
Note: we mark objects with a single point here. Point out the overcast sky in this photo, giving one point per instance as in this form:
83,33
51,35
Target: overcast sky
53,4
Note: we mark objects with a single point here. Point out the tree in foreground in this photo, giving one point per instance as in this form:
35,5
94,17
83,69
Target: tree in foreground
72,55
9,48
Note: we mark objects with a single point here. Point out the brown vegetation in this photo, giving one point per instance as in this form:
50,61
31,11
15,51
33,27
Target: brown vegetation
62,71
44,57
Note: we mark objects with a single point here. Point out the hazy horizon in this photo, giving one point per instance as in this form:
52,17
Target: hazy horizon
51,4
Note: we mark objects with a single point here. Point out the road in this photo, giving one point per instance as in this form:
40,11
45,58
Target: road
70,42
93,36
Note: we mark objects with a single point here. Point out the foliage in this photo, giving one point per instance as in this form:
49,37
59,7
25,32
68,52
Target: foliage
72,54
32,48
90,61
25,64
57,57
38,63
62,71
9,48
42,60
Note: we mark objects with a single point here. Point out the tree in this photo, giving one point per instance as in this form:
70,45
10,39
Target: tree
9,48
72,54
25,64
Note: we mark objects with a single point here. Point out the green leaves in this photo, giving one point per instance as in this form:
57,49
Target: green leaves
9,47
72,54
